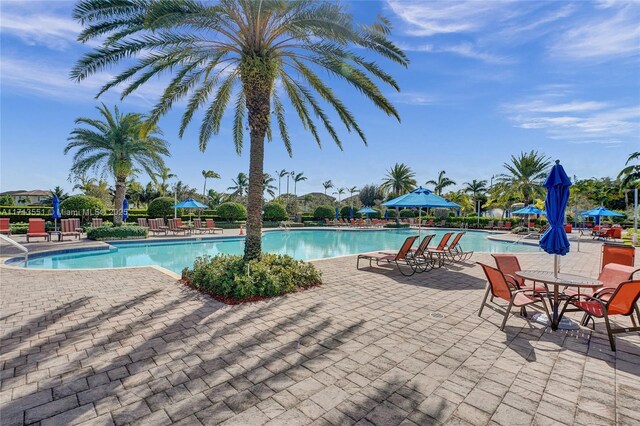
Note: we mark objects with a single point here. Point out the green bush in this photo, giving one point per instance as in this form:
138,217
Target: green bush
396,225
232,211
391,213
116,233
274,211
82,206
345,212
161,207
231,276
6,200
19,228
404,213
324,212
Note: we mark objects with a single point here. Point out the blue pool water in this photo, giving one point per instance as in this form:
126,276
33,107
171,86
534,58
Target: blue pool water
300,244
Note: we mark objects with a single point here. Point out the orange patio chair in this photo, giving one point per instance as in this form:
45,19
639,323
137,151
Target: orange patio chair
621,301
5,226
175,226
509,265
400,258
500,288
616,253
212,225
507,226
37,229
440,251
456,253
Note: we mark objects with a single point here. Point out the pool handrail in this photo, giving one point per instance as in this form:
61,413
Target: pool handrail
18,246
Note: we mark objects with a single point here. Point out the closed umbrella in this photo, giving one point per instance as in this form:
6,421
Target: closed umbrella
55,215
386,214
554,240
337,214
351,212
125,209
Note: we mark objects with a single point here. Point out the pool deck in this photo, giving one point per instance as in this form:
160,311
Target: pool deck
367,347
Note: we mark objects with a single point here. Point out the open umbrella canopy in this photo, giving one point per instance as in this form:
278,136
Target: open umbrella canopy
190,203
554,240
528,210
600,211
421,198
125,209
367,210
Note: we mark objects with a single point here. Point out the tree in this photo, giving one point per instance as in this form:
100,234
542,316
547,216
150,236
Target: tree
183,191
116,144
135,191
82,182
630,175
163,186
240,184
281,173
208,174
475,188
526,175
211,48
57,191
441,183
327,185
267,185
340,191
370,194
299,177
399,179
214,198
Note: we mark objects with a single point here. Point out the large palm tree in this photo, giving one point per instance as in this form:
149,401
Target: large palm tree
118,144
630,175
267,185
340,191
526,175
297,177
475,188
240,184
327,185
208,174
399,179
440,184
162,185
281,173
235,51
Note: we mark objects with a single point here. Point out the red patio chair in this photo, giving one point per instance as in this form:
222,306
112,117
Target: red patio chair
440,251
399,258
37,230
211,224
5,227
509,265
622,301
615,253
507,226
500,288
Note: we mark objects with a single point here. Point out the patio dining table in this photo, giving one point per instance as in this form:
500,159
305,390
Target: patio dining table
565,280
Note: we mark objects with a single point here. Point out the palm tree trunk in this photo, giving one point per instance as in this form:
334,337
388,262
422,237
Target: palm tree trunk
121,189
204,190
257,79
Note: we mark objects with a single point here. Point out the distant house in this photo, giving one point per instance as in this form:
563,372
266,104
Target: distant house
21,197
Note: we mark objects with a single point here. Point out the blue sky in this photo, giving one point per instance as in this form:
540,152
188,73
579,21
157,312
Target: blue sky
486,80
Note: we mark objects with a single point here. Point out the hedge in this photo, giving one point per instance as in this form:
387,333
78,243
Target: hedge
275,211
116,232
81,206
232,211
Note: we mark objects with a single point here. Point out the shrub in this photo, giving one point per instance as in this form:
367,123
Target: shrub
274,211
19,228
6,200
232,211
82,206
345,212
396,225
231,276
324,212
116,233
161,207
391,213
407,213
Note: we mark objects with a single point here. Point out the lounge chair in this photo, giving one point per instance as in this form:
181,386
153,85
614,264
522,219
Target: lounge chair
5,226
176,226
507,226
420,258
617,253
604,234
212,225
456,252
440,251
37,230
500,225
509,265
96,221
197,226
156,226
399,258
68,229
621,301
500,288
142,222
441,224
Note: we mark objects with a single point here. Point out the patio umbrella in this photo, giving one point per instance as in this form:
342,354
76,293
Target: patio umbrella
528,210
598,212
351,212
190,203
337,213
420,198
125,209
366,211
55,215
554,240
386,214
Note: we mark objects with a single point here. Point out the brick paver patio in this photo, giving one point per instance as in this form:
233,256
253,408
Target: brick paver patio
367,347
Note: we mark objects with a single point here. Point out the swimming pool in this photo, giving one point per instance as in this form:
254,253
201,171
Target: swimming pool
300,244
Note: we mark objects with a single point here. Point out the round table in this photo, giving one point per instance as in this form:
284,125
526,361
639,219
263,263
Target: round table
557,280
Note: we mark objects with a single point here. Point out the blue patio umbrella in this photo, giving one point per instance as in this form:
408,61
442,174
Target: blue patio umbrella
386,214
125,209
190,203
337,213
351,212
55,215
421,198
600,212
554,240
366,211
529,210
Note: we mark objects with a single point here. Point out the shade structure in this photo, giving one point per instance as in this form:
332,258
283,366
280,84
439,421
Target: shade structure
190,203
528,210
55,215
125,209
599,212
421,198
554,240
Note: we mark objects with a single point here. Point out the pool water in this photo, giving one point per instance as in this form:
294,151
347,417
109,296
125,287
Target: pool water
300,244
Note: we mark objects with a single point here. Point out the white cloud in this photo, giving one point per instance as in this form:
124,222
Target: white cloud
412,98
34,28
602,37
577,121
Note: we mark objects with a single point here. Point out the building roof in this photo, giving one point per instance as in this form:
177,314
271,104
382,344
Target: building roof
25,193
317,194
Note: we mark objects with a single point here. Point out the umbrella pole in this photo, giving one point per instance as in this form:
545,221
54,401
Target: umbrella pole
419,221
556,265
